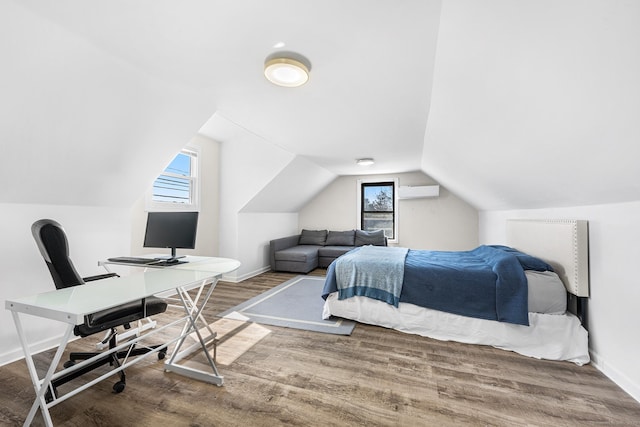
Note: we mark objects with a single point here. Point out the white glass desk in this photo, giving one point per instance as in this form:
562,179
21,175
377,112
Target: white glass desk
72,304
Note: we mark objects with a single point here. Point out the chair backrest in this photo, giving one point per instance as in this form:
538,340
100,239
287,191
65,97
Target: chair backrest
52,242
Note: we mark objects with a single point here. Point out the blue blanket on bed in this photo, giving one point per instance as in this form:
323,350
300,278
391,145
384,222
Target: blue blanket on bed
371,271
487,282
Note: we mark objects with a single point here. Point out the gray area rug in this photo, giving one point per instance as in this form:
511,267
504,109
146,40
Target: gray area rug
296,303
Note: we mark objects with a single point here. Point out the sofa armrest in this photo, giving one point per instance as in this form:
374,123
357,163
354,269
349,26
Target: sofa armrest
280,244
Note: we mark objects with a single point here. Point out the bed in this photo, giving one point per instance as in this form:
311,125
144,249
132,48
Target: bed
534,322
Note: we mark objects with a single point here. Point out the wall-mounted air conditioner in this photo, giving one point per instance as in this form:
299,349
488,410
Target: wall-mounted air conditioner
418,191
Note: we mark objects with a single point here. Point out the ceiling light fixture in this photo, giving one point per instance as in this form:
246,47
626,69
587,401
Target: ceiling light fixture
365,162
287,69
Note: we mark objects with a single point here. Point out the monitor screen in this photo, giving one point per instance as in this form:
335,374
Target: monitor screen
171,230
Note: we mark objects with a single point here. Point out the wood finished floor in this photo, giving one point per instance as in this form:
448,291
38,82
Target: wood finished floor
375,377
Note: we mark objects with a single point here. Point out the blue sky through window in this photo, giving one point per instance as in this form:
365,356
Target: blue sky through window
170,187
180,165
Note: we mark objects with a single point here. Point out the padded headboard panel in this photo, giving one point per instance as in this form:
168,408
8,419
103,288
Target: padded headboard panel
563,243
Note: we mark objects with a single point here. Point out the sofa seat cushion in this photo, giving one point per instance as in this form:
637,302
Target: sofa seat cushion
333,251
300,253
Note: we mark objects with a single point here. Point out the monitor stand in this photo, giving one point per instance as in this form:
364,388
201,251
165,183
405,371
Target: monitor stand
170,257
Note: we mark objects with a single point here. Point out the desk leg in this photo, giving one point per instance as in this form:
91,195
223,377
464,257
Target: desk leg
193,306
194,313
40,386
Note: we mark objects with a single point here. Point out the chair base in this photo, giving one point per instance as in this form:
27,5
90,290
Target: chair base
112,359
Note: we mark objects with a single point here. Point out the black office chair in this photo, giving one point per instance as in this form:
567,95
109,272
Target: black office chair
52,242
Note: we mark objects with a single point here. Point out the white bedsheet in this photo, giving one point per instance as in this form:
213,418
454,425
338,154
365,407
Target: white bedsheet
548,336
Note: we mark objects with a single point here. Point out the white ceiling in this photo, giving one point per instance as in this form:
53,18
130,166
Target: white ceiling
508,104
371,75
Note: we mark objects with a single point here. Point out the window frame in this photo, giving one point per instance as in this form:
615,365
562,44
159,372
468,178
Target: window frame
362,183
194,180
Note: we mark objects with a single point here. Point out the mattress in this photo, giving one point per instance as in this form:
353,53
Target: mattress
552,334
548,336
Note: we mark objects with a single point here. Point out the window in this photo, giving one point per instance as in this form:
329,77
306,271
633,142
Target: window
177,186
377,210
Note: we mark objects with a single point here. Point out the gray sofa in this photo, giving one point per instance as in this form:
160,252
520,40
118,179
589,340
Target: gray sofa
310,249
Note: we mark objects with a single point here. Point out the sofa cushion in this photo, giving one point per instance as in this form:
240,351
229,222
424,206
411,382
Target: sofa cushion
333,251
297,267
341,238
313,237
375,238
300,253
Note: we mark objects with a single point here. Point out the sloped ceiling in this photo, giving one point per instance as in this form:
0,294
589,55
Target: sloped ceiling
536,103
508,104
182,62
284,184
282,194
79,126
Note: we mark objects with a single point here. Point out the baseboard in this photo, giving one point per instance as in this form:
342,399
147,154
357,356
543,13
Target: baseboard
238,279
35,348
616,376
10,357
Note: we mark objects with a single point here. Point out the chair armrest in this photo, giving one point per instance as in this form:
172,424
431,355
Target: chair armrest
280,244
100,277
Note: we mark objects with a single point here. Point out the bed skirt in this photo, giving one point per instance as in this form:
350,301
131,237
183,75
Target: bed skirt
548,336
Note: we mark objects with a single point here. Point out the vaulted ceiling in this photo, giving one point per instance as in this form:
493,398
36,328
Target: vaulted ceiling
508,104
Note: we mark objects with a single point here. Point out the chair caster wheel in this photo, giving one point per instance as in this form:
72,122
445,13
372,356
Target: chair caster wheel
119,387
162,355
69,363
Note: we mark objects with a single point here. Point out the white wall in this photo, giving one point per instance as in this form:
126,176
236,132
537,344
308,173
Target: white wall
255,230
442,223
614,233
247,162
262,187
94,233
207,238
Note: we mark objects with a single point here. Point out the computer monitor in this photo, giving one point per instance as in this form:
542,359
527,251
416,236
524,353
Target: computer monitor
174,230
